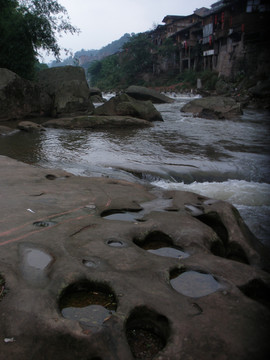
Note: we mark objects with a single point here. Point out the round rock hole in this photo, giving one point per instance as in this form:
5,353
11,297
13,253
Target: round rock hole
89,303
91,263
193,283
121,215
44,223
116,243
50,177
161,244
147,333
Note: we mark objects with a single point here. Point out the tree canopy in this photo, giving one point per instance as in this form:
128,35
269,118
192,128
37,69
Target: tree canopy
26,26
126,67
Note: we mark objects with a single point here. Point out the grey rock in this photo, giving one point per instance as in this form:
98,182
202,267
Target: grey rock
95,91
30,126
68,89
20,97
39,265
143,93
214,107
97,122
96,95
124,105
261,89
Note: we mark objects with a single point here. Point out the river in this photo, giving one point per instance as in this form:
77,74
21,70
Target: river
223,159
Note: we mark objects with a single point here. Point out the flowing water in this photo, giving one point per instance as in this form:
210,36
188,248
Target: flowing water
223,159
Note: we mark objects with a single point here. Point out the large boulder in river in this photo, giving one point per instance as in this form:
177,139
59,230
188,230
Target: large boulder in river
29,126
213,107
96,95
97,122
68,89
20,97
124,105
143,93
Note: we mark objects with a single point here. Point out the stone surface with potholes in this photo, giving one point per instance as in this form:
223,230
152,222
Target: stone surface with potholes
53,238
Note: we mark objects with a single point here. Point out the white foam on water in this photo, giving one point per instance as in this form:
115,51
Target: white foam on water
252,200
237,192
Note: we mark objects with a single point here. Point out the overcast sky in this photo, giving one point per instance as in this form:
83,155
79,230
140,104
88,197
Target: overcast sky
103,21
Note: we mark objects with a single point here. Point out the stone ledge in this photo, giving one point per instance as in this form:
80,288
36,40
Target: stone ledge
55,237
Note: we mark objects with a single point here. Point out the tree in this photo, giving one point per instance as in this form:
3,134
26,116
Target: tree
167,49
138,56
106,73
26,26
126,67
94,71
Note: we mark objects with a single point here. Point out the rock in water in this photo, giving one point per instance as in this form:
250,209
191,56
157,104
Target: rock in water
97,122
68,89
124,105
214,107
30,126
96,95
143,93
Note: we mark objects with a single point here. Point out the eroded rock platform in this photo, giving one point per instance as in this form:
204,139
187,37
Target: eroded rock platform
97,268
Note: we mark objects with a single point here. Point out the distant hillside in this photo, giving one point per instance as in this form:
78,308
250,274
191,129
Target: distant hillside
85,57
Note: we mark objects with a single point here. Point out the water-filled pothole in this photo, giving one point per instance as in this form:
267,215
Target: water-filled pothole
161,244
89,303
37,259
91,263
135,215
147,333
120,215
44,223
161,250
34,264
193,283
116,243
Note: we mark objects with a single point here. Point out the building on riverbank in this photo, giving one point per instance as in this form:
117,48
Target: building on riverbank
229,38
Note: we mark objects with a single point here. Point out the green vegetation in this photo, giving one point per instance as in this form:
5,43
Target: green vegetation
188,79
93,55
126,67
26,26
135,63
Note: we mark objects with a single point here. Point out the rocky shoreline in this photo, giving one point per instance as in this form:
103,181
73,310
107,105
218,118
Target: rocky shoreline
67,239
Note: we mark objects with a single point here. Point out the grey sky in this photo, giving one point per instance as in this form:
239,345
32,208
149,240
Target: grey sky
103,21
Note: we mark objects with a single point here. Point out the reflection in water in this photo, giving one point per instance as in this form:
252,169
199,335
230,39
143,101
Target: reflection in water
23,146
195,284
92,315
173,252
92,308
34,263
